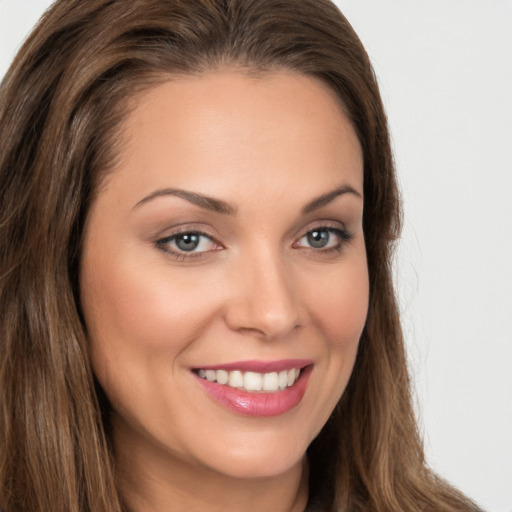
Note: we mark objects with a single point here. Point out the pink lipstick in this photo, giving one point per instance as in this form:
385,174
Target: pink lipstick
256,388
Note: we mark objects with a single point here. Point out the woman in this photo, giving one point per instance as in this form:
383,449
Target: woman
197,310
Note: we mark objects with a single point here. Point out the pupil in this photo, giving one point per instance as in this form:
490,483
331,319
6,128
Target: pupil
318,239
187,242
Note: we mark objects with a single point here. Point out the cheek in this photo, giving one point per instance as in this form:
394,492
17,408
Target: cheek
340,305
140,321
139,306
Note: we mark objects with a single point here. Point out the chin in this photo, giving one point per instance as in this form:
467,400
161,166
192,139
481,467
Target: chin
257,456
259,465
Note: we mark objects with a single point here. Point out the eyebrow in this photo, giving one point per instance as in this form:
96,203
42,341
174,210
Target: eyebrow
208,203
219,206
325,199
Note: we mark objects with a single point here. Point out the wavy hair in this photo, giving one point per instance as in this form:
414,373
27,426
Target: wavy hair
61,105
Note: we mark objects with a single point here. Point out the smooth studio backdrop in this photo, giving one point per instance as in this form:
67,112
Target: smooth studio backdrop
445,70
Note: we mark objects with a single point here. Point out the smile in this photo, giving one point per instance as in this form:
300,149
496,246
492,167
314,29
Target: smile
252,381
256,388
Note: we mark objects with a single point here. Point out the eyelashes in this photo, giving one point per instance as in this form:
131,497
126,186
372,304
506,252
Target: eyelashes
324,239
188,244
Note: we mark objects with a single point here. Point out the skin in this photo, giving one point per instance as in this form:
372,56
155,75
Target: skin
255,288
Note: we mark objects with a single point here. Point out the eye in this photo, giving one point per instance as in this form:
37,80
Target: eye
187,243
324,238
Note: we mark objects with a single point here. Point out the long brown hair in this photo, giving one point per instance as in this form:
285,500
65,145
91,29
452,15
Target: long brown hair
61,104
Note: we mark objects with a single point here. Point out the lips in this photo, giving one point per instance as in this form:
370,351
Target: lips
256,388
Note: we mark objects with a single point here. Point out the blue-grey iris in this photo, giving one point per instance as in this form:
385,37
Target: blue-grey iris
318,238
187,241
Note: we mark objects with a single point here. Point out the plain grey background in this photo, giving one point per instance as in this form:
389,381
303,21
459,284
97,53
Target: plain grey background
445,70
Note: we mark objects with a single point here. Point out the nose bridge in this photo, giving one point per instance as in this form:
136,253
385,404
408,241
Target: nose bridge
264,300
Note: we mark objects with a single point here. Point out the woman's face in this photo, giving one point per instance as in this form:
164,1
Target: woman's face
224,255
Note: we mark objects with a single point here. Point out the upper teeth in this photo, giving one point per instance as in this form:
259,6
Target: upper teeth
252,381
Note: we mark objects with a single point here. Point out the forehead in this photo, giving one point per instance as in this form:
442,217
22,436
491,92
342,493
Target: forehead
219,131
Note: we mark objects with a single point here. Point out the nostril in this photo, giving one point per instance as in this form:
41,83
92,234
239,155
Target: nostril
269,324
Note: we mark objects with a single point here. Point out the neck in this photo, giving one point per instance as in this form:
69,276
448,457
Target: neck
153,480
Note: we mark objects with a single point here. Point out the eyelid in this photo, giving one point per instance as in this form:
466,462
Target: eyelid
334,227
322,224
162,242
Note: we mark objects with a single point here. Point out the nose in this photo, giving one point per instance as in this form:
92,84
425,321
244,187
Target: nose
263,300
